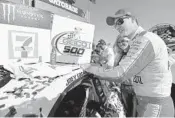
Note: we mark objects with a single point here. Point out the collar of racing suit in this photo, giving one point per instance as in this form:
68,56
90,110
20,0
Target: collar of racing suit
138,31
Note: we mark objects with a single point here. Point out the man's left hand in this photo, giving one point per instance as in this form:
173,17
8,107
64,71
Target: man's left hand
85,66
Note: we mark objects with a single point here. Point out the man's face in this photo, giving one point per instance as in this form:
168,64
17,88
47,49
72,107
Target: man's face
124,25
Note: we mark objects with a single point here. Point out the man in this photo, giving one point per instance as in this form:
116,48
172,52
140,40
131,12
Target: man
147,62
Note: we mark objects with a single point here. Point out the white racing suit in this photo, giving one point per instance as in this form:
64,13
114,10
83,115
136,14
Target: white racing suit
147,62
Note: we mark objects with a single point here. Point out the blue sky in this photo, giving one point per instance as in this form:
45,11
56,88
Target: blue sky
148,12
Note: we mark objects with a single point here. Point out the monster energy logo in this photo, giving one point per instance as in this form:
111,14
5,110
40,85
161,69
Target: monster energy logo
8,10
24,16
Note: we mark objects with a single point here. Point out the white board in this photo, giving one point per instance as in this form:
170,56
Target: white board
72,39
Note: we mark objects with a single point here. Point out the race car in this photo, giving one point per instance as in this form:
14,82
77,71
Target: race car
41,90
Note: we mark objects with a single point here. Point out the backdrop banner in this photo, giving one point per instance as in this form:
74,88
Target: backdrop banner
72,40
16,14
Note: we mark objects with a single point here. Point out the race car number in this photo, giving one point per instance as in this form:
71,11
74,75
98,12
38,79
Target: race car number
138,80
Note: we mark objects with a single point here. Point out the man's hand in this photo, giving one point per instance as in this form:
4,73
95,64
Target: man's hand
85,66
90,68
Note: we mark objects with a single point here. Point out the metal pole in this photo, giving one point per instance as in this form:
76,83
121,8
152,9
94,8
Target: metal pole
88,12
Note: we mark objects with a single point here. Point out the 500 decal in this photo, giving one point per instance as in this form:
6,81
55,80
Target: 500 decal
73,50
70,43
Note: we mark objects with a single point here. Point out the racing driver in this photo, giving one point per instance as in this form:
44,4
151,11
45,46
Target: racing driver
147,62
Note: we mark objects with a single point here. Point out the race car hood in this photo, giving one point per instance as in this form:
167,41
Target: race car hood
36,87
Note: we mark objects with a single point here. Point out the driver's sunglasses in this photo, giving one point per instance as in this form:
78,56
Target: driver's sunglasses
119,21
